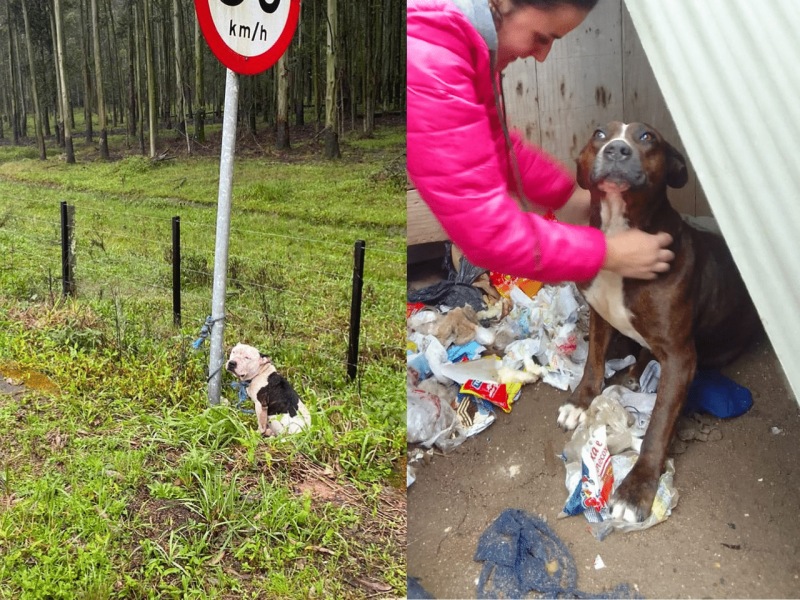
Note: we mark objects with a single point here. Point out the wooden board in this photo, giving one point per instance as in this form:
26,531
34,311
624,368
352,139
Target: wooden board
596,74
421,226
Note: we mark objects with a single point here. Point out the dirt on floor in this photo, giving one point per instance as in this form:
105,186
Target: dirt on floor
735,532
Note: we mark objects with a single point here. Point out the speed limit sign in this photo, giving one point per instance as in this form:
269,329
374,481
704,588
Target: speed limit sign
248,36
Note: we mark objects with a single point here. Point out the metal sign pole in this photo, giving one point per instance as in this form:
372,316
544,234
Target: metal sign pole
216,357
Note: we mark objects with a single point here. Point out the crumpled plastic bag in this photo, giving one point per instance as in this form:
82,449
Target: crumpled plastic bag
550,325
620,435
619,424
432,422
457,289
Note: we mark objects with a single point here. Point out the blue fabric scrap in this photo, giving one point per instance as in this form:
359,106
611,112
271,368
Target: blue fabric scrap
525,559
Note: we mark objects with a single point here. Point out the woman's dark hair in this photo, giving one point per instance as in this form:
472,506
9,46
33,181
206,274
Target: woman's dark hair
546,4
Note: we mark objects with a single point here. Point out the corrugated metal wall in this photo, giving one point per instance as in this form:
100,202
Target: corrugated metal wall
729,71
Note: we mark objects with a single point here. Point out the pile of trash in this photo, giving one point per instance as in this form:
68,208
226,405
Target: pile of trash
605,446
466,361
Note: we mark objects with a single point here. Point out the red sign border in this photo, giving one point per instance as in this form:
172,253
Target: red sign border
245,65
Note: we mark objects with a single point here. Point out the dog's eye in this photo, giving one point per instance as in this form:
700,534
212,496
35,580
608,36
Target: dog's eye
599,134
647,137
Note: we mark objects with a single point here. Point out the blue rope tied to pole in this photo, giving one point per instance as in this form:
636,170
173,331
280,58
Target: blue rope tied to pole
241,387
205,331
241,390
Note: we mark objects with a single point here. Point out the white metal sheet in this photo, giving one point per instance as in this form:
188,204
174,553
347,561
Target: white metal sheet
728,72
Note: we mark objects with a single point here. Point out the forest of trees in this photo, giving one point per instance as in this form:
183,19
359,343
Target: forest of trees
141,66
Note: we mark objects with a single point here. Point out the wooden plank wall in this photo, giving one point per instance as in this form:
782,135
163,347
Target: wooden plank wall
422,227
597,73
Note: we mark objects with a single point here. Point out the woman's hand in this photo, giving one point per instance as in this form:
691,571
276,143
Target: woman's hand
638,255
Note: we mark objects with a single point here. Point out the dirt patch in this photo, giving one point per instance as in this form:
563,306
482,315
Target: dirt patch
734,534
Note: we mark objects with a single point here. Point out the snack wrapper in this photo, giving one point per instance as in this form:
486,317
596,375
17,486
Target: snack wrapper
474,413
597,477
505,283
499,394
413,308
602,452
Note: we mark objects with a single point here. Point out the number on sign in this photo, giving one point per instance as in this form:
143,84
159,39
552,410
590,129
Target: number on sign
267,6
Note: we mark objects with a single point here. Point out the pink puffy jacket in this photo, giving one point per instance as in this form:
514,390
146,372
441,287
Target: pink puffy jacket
458,158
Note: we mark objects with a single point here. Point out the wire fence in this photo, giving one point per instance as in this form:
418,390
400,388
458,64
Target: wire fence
286,294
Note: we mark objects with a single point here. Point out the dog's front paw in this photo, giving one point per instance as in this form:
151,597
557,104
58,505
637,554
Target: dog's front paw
633,499
570,416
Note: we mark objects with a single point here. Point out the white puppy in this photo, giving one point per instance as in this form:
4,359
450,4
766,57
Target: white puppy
278,407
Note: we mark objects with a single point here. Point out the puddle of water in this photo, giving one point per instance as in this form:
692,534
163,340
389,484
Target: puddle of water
29,378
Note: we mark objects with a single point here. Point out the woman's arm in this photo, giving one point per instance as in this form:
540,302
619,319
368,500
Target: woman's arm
454,159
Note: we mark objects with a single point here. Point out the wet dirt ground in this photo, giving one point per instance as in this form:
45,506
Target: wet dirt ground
735,532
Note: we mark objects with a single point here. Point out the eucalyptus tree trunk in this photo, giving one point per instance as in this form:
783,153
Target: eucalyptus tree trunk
249,99
151,77
331,124
131,129
14,109
163,64
98,73
4,108
179,72
298,82
62,77
372,31
282,142
315,68
34,86
23,116
58,116
137,29
85,72
114,62
199,94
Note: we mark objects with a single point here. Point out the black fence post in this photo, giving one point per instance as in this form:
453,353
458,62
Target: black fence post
355,309
176,271
67,249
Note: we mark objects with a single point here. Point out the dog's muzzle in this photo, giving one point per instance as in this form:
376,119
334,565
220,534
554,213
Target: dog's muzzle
618,163
231,366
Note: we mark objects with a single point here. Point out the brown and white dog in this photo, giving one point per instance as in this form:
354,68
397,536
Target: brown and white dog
278,407
697,314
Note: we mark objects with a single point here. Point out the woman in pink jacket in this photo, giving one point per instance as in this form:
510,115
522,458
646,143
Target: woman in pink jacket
468,169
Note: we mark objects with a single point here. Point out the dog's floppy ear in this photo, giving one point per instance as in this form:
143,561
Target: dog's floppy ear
584,162
263,359
677,174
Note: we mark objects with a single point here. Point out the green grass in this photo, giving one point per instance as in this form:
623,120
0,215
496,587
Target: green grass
116,478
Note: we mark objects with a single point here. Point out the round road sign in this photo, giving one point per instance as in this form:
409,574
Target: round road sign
248,36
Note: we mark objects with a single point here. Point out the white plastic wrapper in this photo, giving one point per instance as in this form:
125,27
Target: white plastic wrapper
431,421
483,369
550,325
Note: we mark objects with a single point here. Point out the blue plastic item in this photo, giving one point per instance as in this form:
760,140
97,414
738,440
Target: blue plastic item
714,393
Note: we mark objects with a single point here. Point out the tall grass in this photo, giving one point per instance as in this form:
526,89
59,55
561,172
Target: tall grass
117,480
